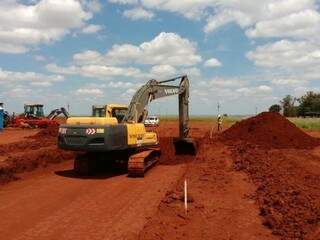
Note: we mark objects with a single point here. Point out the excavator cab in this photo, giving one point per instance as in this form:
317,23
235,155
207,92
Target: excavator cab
33,110
117,111
99,111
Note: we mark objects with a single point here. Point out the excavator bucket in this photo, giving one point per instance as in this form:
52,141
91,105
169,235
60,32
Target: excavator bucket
185,146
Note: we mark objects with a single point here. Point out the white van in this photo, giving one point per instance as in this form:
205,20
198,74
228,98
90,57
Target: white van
152,121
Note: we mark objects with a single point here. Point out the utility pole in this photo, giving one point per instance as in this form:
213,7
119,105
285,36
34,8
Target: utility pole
218,107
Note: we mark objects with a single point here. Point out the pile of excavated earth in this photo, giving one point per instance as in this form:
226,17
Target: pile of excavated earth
35,151
276,156
270,130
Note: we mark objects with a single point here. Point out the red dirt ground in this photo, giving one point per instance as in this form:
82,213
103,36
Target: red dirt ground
30,153
11,135
246,189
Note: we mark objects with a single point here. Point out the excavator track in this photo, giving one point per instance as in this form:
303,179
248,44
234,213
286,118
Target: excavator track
140,162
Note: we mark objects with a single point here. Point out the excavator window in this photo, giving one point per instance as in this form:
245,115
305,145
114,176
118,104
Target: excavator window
99,112
39,111
119,113
36,111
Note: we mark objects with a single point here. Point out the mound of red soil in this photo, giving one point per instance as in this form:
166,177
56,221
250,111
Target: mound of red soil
51,131
288,188
44,138
30,161
30,153
270,130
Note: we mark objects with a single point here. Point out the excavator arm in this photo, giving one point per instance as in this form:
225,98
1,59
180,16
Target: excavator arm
153,90
56,112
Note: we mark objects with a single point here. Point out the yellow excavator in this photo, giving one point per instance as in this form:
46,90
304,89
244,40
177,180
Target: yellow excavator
117,132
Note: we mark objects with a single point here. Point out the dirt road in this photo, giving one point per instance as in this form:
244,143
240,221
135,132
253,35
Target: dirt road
56,205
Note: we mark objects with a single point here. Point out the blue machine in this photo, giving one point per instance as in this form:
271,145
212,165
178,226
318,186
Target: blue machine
1,117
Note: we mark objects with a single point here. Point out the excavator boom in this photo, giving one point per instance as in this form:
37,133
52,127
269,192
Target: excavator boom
153,90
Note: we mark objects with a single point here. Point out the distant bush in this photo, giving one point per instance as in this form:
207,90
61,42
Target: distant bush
275,108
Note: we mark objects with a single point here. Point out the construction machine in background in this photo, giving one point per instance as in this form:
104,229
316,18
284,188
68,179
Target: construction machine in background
6,119
6,116
34,117
117,132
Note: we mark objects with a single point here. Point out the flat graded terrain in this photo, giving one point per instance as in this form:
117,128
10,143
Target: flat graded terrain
239,187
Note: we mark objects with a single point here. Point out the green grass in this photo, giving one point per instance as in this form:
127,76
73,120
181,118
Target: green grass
202,118
306,123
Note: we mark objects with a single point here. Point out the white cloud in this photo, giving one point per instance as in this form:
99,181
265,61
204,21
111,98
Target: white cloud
192,72
91,5
88,57
212,62
300,91
95,71
95,92
168,54
223,83
162,71
40,58
138,13
188,8
166,48
18,92
287,55
122,85
91,28
288,82
269,18
226,16
124,1
46,21
259,91
12,48
301,25
127,95
29,77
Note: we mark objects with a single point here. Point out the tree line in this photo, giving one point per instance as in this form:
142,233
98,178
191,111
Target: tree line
307,105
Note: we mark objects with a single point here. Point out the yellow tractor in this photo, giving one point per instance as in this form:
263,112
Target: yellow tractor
117,131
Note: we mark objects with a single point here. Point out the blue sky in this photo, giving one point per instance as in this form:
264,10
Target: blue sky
244,54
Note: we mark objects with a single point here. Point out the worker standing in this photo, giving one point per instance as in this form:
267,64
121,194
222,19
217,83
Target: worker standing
1,117
219,119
